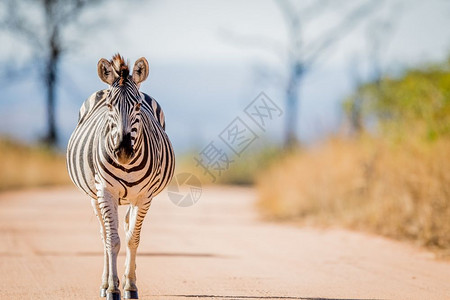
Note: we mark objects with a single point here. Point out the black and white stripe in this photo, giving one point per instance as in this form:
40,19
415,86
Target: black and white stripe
120,154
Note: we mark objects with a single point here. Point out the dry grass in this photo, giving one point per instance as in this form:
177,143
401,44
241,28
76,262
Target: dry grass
30,166
241,171
401,190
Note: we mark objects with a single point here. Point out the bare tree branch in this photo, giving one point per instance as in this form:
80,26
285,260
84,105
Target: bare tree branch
315,9
379,35
294,25
20,25
46,39
256,42
327,40
71,13
269,74
299,56
289,11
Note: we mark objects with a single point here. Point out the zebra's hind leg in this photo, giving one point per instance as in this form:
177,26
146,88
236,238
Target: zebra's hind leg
133,224
104,285
108,208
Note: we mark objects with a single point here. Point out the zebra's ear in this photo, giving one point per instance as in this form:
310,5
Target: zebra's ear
140,70
106,71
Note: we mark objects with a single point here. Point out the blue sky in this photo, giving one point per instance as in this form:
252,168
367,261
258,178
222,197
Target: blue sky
202,79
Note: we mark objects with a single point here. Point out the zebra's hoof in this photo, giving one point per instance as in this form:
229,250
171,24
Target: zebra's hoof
103,293
130,295
113,296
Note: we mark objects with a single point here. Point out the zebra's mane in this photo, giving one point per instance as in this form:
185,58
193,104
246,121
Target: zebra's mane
121,68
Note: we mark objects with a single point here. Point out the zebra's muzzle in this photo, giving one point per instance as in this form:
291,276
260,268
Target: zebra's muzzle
124,152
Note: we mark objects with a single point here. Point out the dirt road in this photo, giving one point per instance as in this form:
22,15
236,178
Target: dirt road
217,249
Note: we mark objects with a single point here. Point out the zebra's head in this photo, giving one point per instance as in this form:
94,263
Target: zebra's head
123,124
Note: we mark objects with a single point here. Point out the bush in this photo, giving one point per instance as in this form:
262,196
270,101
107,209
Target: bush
394,181
417,103
399,190
26,166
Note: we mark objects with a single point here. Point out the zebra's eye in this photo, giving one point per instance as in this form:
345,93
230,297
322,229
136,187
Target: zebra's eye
137,107
109,106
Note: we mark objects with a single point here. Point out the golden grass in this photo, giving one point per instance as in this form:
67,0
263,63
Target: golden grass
30,166
241,171
401,190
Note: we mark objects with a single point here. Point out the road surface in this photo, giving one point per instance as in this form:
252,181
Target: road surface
217,249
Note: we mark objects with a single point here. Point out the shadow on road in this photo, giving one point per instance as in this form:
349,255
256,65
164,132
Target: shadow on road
141,254
261,297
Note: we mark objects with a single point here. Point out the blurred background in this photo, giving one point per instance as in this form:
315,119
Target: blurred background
363,88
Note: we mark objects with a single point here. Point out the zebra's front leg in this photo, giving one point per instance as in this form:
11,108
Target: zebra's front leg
133,224
98,213
108,208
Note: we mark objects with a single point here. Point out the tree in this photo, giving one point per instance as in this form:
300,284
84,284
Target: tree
414,104
379,35
43,33
300,57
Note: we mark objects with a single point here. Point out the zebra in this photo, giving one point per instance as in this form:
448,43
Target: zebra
120,154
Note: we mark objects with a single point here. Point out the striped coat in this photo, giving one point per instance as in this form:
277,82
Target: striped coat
153,168
120,154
